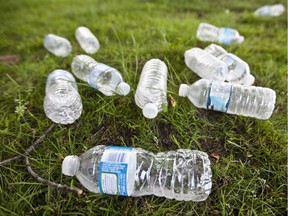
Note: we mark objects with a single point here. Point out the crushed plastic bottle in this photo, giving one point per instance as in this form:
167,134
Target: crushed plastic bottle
238,70
205,65
151,92
57,45
227,36
62,103
87,40
182,174
237,99
270,10
106,79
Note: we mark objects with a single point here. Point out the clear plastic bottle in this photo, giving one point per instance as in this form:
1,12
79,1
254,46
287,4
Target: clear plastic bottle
151,92
106,79
87,40
238,70
205,65
227,36
182,174
62,103
270,10
57,45
237,99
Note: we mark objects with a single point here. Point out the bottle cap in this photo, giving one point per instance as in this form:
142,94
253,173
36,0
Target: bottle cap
249,80
70,165
123,89
183,90
150,110
240,39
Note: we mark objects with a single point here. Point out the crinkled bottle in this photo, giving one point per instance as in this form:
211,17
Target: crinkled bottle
105,79
151,92
270,10
57,45
238,70
62,103
182,174
87,40
237,99
227,36
205,65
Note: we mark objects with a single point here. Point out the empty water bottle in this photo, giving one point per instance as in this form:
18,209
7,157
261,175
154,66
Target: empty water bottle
227,36
237,99
238,70
62,103
57,45
106,79
151,93
87,40
270,10
205,65
182,174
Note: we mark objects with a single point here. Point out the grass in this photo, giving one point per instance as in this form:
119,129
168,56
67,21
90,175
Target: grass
250,176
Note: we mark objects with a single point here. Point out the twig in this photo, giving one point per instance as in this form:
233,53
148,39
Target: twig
52,184
31,148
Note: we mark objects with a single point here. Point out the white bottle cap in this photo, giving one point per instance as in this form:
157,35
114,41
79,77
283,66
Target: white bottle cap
70,165
150,110
183,90
123,89
240,39
249,80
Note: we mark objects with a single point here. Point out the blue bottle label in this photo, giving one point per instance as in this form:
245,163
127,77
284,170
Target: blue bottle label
219,96
227,36
113,170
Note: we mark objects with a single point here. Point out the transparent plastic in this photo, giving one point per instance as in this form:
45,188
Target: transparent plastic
236,99
238,70
87,40
270,10
62,103
105,79
182,174
57,45
205,65
151,92
227,36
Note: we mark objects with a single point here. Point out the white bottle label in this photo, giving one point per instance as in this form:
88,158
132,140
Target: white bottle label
219,96
112,177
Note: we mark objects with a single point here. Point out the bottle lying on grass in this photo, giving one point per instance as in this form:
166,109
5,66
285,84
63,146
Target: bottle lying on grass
182,174
100,76
62,103
57,45
227,36
151,92
87,40
238,70
237,99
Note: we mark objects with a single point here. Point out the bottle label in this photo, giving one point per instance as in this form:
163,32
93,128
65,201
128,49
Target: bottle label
219,96
113,170
227,36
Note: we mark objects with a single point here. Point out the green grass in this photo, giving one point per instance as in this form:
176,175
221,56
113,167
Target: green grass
250,176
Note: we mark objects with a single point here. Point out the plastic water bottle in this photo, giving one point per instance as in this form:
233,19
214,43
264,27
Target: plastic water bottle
270,10
237,99
238,70
106,79
205,65
57,45
151,92
227,36
62,103
182,174
87,40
